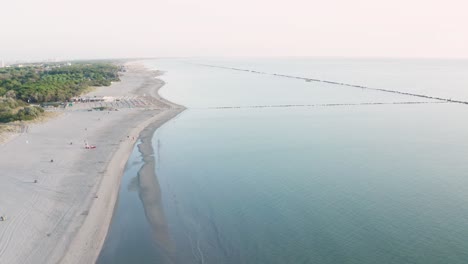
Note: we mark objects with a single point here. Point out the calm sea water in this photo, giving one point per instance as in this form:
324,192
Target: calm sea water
315,184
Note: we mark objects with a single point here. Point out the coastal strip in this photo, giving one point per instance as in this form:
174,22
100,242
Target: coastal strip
88,242
58,197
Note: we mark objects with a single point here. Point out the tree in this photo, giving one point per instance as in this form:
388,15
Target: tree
10,94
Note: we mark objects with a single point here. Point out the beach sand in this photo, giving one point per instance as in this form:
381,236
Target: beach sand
65,216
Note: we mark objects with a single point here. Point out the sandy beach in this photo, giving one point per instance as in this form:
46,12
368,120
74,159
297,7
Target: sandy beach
58,197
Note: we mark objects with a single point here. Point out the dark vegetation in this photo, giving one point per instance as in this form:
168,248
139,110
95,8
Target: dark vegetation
48,83
37,84
16,110
102,108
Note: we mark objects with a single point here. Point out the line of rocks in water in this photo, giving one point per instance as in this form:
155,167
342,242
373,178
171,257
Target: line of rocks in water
317,105
449,100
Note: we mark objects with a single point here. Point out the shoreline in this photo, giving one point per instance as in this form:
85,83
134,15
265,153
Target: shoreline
93,233
65,216
91,237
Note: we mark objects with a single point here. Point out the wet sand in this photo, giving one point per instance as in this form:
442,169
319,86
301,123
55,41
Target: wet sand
150,196
65,216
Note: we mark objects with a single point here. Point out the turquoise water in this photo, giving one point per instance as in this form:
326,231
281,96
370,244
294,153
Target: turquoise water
315,184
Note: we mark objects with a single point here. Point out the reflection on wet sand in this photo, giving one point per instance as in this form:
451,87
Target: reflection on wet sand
150,195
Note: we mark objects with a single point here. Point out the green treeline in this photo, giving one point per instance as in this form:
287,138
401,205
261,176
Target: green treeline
48,83
37,84
16,110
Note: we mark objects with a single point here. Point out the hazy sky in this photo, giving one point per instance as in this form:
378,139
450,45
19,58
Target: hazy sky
40,29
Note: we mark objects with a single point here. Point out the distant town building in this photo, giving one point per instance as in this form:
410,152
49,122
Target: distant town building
2,64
